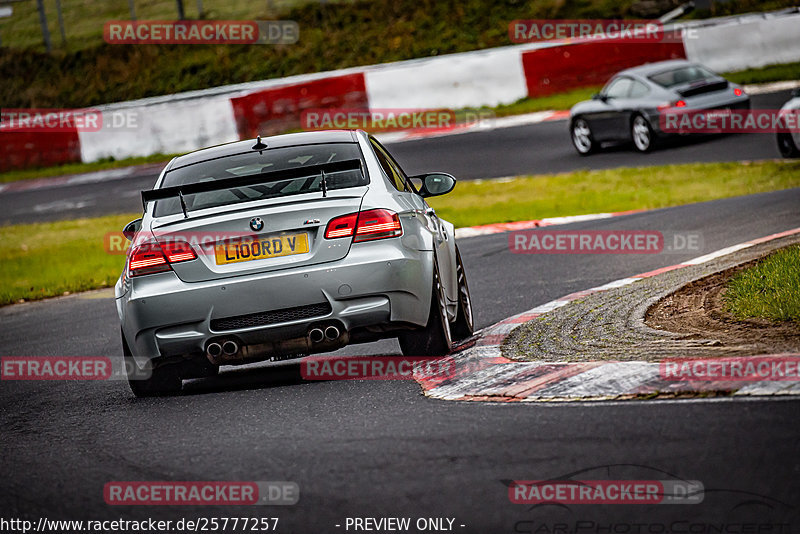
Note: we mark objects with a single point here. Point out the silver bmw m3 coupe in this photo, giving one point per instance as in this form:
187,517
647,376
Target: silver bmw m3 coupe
282,247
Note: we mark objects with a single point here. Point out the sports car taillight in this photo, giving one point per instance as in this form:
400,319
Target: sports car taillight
367,225
738,92
668,105
152,257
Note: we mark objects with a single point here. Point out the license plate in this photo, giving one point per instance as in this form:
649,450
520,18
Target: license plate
260,248
718,113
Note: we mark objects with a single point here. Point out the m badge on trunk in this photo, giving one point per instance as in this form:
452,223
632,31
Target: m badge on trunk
256,224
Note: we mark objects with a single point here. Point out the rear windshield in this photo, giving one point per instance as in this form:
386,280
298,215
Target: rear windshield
682,75
254,163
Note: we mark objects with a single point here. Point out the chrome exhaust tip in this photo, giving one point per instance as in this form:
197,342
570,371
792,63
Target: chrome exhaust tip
230,348
214,350
331,333
316,335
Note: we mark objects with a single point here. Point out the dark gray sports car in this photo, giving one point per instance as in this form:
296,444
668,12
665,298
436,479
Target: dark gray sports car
629,106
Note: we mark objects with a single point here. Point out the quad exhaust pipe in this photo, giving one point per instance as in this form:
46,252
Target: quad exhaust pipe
229,350
218,351
316,335
214,351
331,333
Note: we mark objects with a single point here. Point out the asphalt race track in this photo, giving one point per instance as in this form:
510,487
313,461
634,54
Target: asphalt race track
533,149
381,449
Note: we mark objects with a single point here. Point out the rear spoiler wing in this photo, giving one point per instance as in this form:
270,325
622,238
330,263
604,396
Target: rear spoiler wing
252,179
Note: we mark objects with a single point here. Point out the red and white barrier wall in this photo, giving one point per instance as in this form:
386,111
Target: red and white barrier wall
188,121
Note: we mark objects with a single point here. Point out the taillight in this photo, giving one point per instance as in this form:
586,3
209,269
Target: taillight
341,226
367,225
668,105
738,92
152,257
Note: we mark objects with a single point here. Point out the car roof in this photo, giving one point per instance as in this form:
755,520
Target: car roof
273,141
652,68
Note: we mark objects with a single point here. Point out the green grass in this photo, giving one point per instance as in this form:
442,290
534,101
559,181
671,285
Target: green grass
768,290
47,259
543,103
770,73
333,35
534,197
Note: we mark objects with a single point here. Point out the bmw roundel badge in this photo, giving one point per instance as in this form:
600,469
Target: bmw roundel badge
256,224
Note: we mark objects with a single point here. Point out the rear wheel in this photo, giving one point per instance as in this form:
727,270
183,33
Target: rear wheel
787,146
435,338
149,382
463,327
582,138
642,134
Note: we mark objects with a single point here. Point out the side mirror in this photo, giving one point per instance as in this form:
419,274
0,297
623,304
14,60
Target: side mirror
796,92
599,96
434,184
131,228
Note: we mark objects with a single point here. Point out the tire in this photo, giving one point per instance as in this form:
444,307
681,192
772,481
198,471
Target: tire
463,327
434,339
787,146
582,137
149,382
642,135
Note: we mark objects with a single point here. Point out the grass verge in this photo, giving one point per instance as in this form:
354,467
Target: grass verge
47,259
533,197
768,290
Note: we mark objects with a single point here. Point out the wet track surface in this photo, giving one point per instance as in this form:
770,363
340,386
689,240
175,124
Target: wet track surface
379,448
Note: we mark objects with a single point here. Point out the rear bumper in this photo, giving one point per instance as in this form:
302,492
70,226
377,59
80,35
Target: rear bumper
376,284
737,103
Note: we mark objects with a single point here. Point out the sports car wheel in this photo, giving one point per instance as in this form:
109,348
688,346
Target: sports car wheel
149,382
582,137
463,327
787,146
642,134
435,338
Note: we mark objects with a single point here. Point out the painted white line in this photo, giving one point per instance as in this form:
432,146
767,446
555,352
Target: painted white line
773,87
577,218
548,306
486,125
101,176
717,254
615,284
